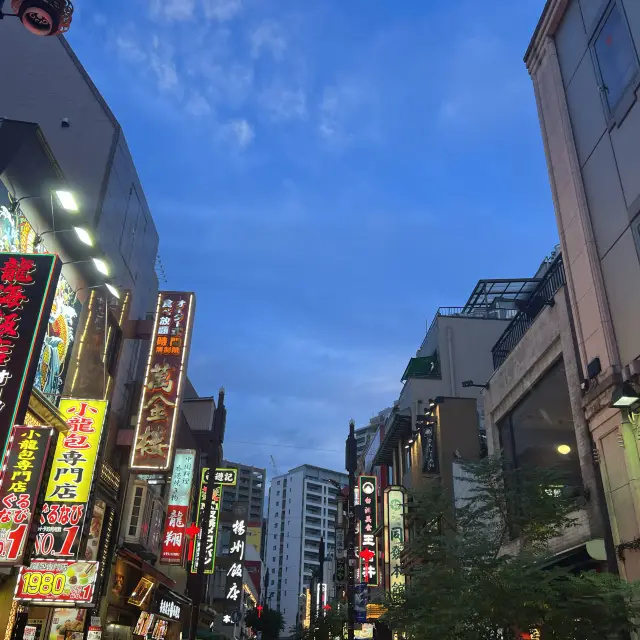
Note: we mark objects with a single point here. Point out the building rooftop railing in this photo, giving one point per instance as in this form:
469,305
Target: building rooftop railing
542,296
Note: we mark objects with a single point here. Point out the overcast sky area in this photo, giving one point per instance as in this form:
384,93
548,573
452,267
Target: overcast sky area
324,174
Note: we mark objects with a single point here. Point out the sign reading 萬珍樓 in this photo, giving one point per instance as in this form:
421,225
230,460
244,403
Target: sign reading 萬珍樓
65,507
163,383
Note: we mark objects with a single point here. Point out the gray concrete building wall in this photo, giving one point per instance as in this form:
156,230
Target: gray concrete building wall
44,83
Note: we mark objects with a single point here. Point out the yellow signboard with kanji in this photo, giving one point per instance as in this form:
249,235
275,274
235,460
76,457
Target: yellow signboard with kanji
64,512
77,450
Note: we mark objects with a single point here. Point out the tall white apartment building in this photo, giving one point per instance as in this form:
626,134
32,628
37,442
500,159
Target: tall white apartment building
302,510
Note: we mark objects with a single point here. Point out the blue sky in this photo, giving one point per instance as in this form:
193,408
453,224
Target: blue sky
324,174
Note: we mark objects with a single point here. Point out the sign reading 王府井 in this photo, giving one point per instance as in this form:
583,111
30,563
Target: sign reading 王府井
22,469
65,507
178,509
163,383
394,537
368,543
27,288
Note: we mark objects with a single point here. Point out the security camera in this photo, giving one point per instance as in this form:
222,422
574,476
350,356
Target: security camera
44,17
65,123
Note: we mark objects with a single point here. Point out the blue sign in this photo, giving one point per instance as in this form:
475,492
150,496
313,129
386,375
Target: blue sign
360,601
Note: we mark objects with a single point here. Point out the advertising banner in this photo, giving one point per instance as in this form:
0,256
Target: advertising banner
394,536
368,543
27,287
234,565
57,581
431,463
173,539
22,469
222,477
163,383
360,602
70,480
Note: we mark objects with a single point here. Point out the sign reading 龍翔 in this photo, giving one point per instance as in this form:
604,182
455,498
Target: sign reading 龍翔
70,480
19,487
178,509
27,287
163,383
368,543
394,536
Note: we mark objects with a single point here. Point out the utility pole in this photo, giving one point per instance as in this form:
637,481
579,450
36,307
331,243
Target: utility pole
351,463
214,457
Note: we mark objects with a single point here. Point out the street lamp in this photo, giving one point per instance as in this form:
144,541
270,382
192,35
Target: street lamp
624,396
42,17
98,263
83,235
67,200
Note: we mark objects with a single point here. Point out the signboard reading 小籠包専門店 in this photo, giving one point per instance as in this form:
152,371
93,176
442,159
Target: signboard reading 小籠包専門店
163,383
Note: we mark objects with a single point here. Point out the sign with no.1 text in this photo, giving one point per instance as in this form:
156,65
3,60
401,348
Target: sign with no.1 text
22,467
71,478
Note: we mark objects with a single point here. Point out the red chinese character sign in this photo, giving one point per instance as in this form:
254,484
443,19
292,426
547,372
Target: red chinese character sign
71,479
368,543
163,383
178,509
22,467
27,288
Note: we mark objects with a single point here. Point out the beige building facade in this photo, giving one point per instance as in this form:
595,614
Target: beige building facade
583,62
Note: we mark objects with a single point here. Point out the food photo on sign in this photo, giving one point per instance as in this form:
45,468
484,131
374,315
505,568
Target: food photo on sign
59,581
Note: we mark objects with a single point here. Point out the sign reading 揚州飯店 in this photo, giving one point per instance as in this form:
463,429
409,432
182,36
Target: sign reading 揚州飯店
163,383
22,469
234,566
27,288
65,507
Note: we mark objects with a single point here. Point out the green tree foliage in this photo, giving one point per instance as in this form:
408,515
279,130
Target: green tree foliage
270,622
481,571
328,624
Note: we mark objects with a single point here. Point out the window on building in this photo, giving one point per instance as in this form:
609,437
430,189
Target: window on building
274,547
273,582
277,493
615,55
277,504
274,559
278,482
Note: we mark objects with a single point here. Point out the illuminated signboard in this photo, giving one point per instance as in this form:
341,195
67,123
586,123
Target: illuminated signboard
27,286
59,581
394,537
306,620
65,507
222,477
18,236
22,468
368,543
163,382
173,537
234,565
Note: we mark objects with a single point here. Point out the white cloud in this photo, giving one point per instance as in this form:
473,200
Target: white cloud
221,10
268,37
129,48
162,63
197,105
284,104
173,10
239,132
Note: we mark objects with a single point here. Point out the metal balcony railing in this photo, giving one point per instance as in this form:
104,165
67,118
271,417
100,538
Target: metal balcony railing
542,296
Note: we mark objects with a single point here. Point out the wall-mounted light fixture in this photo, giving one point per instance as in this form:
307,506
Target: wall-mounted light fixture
624,396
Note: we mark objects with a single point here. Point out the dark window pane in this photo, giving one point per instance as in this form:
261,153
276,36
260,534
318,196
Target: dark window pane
616,56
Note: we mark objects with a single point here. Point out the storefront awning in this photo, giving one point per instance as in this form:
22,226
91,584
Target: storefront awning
398,427
145,567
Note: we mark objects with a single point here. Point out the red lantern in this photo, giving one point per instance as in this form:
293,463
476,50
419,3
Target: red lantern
44,17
